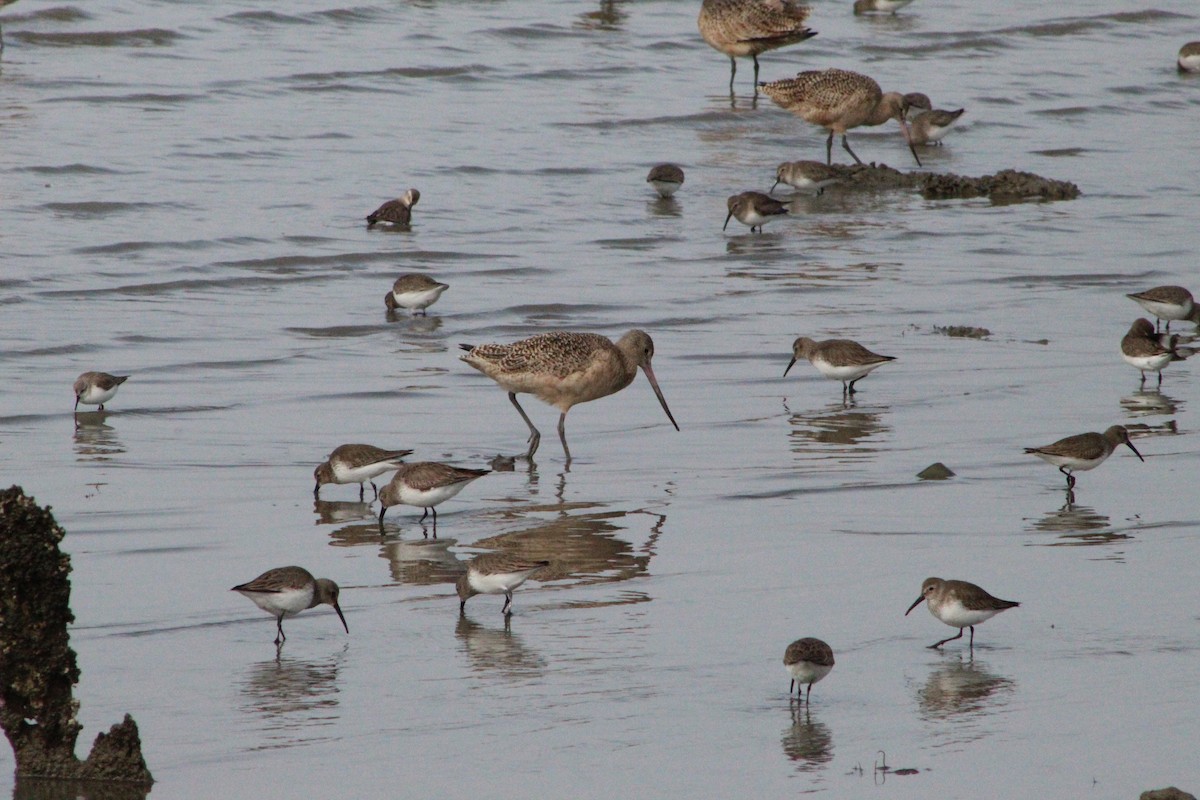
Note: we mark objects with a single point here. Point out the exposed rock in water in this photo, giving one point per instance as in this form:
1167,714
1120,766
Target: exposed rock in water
1170,793
936,471
38,669
1008,185
962,331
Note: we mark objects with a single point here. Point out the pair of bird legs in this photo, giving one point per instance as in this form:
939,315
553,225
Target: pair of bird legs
936,645
535,436
426,509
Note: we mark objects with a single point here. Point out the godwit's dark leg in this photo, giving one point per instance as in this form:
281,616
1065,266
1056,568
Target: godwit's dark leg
562,434
829,150
846,144
535,436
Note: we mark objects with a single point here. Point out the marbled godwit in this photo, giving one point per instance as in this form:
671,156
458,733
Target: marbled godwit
286,591
840,359
425,484
1165,302
960,605
395,212
808,660
918,100
97,388
563,369
929,127
879,6
357,463
1142,349
749,27
415,292
754,209
666,179
838,100
1189,58
1084,451
495,573
810,176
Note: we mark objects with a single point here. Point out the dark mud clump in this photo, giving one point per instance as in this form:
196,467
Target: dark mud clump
1170,793
962,331
937,471
38,670
1008,185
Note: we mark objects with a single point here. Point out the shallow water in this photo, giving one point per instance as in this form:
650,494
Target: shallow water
183,193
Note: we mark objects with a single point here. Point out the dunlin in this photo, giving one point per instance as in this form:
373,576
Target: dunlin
1084,451
495,573
879,6
286,591
1189,58
1165,302
960,605
97,388
563,369
425,484
840,359
750,27
809,176
357,463
754,209
929,127
838,100
395,212
808,660
666,179
414,291
1142,349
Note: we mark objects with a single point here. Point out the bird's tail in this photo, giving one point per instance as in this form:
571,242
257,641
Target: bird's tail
467,347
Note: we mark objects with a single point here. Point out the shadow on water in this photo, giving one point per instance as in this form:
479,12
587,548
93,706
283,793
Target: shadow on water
94,439
497,650
962,688
807,742
291,696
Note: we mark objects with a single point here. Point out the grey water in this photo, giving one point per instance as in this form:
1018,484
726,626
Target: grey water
182,194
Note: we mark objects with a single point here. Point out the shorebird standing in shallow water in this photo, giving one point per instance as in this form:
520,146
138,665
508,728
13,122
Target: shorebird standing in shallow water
840,359
357,463
1142,349
415,292
1084,451
879,6
808,660
960,605
563,369
495,573
96,388
425,484
395,212
1165,302
1189,58
286,591
929,127
666,179
754,209
838,100
810,176
749,27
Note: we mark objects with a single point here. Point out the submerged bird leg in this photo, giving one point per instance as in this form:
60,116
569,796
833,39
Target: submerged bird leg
535,436
792,686
1160,378
562,434
733,74
852,389
361,490
382,511
972,646
507,603
279,637
755,57
376,488
829,150
424,514
857,160
101,407
936,645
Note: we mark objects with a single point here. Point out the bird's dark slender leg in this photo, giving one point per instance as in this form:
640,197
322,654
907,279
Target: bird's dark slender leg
856,380
972,645
279,637
846,144
755,57
1160,378
562,434
733,74
936,645
376,488
434,510
101,407
807,694
1143,382
424,514
535,436
792,686
507,603
829,150
361,489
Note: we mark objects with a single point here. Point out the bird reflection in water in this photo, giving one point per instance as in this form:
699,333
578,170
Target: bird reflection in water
422,562
95,440
807,742
959,688
337,512
1149,403
416,326
497,650
839,428
291,695
1071,518
610,16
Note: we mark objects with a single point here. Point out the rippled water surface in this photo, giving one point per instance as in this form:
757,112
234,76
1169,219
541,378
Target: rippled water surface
184,186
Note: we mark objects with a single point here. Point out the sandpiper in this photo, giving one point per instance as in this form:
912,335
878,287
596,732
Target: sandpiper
754,209
395,212
286,591
666,179
809,176
1189,58
414,291
1141,348
357,463
750,27
840,359
879,6
808,660
929,127
97,388
1083,451
563,369
1165,302
960,605
495,573
425,484
838,100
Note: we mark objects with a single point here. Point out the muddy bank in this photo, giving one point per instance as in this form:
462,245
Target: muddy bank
1006,185
38,670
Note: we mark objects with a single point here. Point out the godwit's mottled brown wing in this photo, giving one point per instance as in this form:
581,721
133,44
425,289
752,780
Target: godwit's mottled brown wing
833,98
814,651
557,354
747,27
426,475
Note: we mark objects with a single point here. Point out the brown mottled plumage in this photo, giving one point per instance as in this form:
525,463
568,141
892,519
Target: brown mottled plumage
665,178
96,388
425,484
750,27
805,175
754,209
495,573
840,359
395,212
286,591
357,463
808,660
1165,302
838,100
563,369
929,127
1083,451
